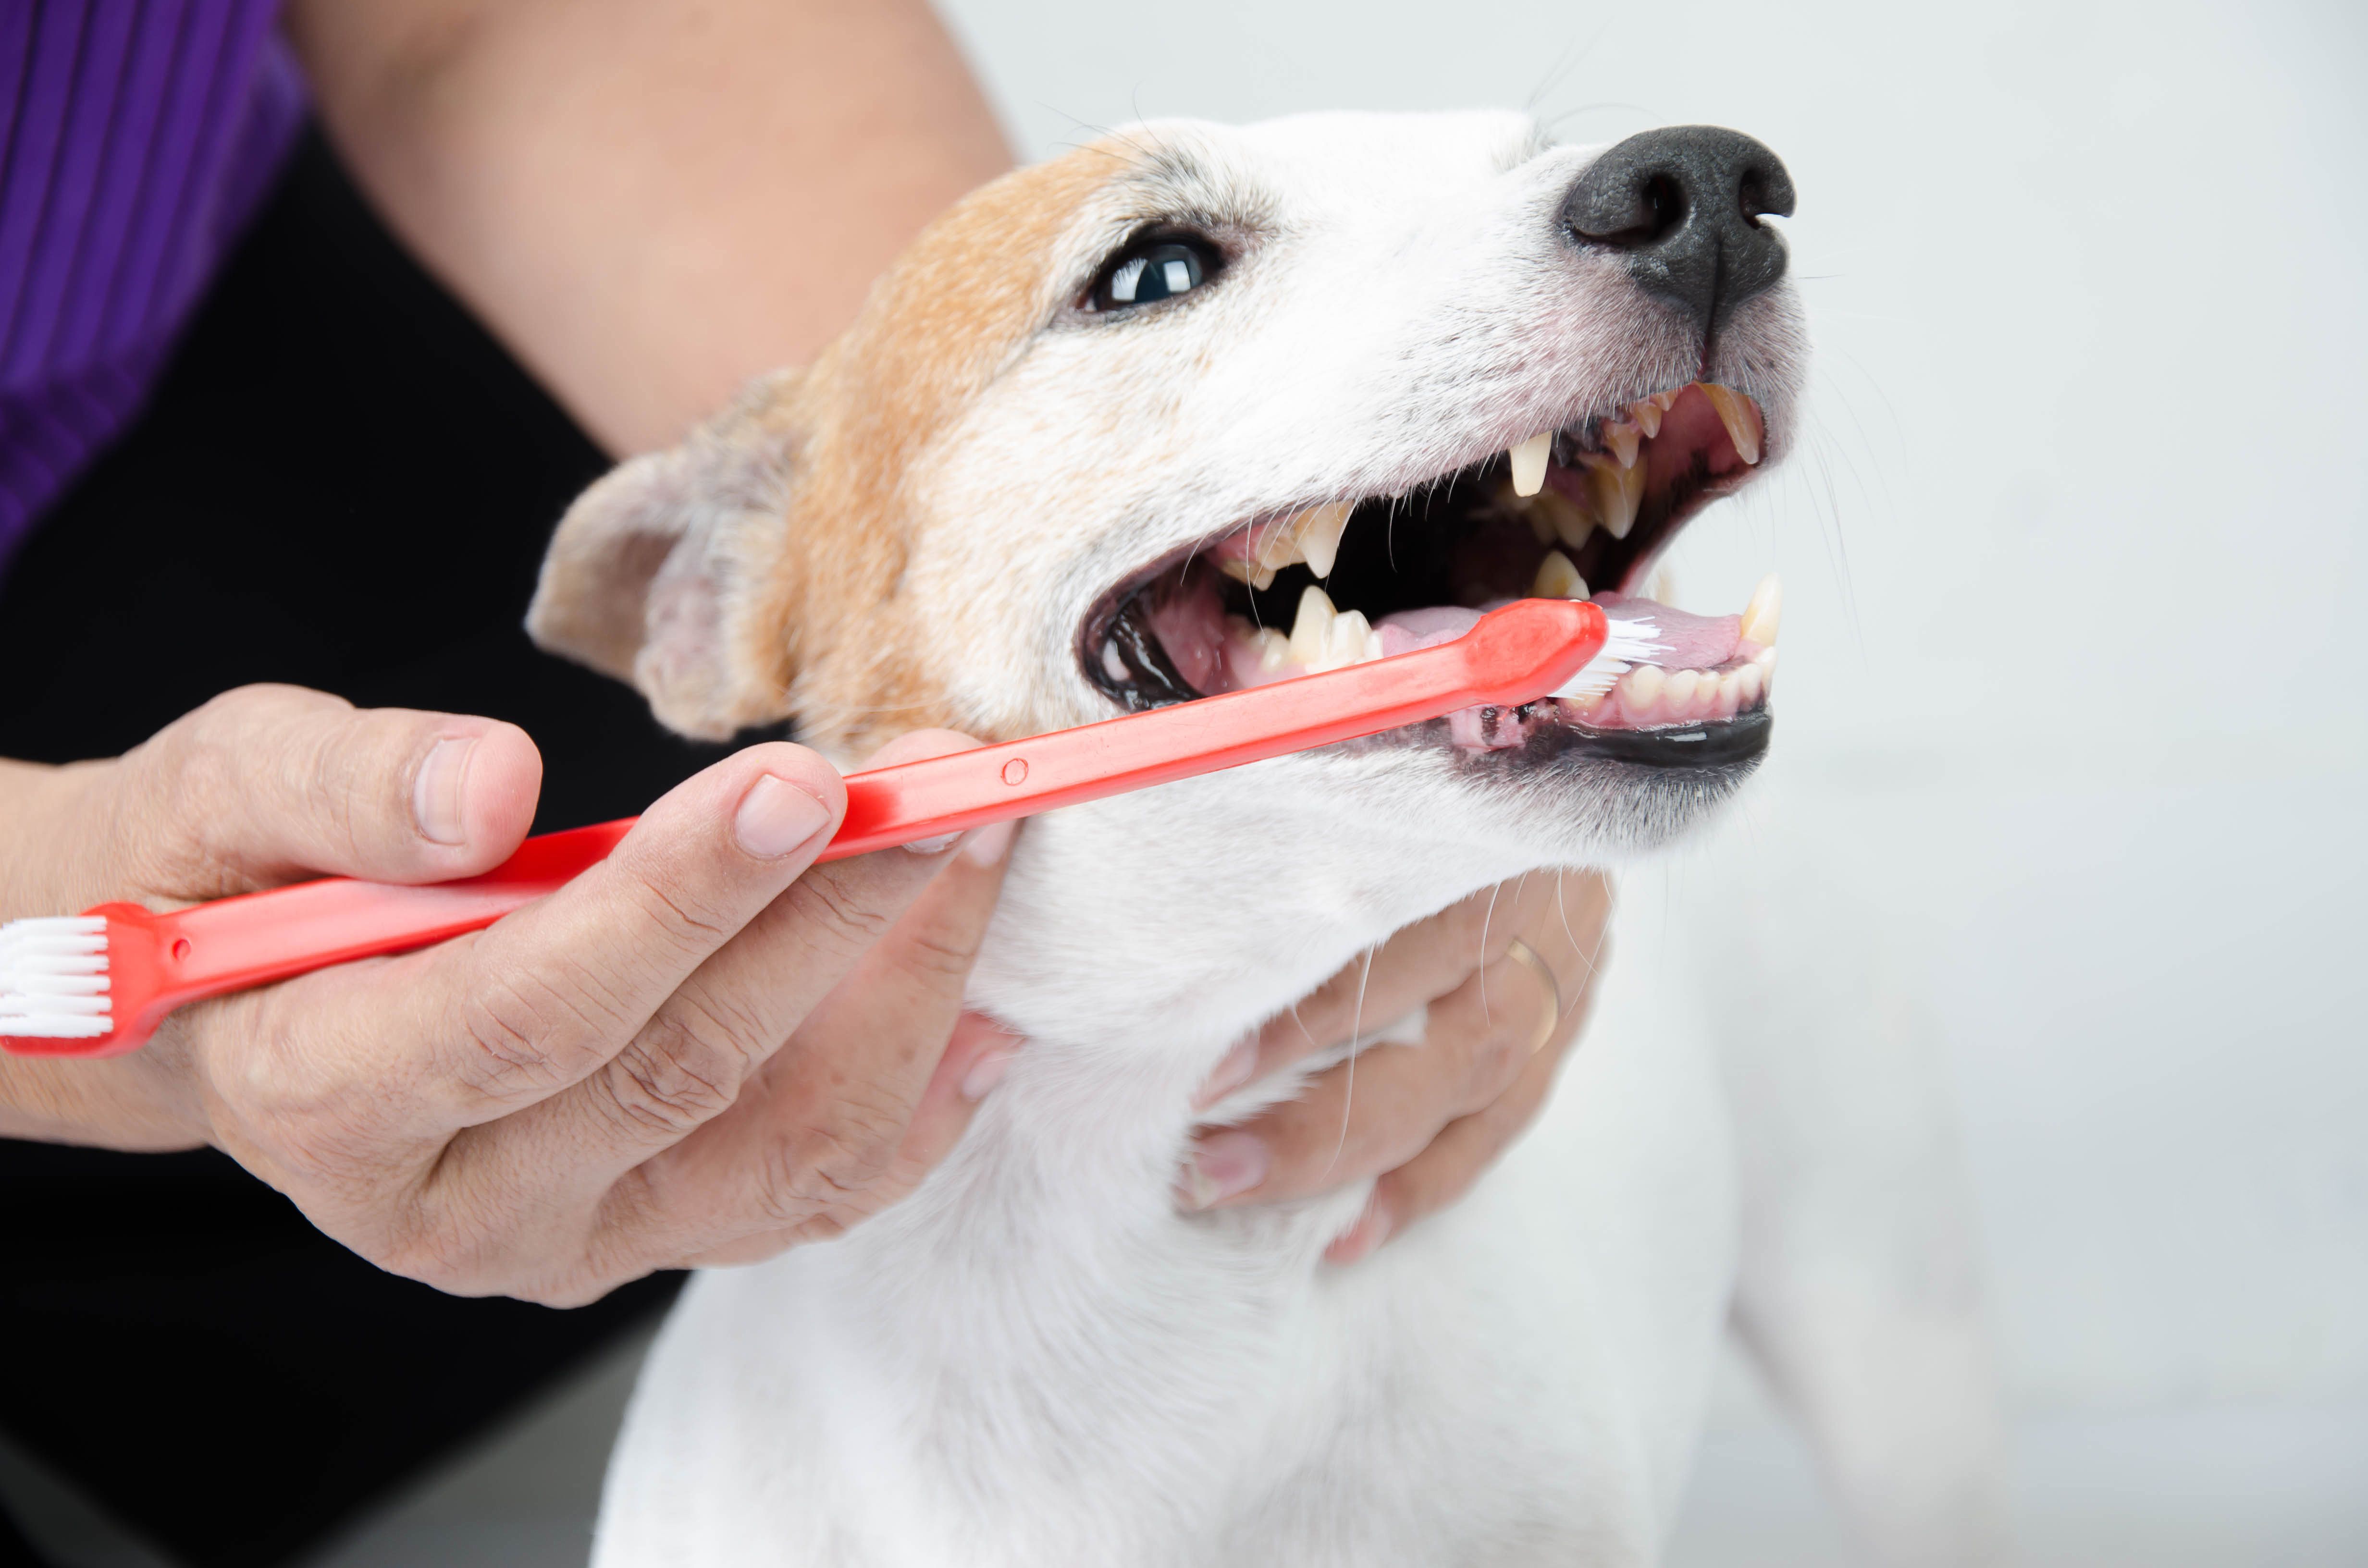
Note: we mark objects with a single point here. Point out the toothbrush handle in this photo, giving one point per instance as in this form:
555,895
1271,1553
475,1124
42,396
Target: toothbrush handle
1515,655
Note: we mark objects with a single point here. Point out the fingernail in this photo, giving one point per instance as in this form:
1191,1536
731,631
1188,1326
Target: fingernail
1230,1074
436,794
932,846
986,1073
776,816
1372,1228
988,845
1225,1164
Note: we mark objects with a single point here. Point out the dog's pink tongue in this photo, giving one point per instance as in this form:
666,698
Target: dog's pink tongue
1688,641
1412,628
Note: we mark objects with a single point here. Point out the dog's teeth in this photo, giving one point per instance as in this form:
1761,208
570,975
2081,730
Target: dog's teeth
1349,638
1765,613
1311,632
1249,571
1557,579
1529,460
1571,523
1112,665
1274,648
1735,413
1319,529
1679,691
1648,416
1750,682
1619,492
1640,689
1624,439
1278,547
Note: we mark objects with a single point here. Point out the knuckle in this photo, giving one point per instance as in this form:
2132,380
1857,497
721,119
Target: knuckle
691,923
939,952
833,905
526,1036
831,1169
684,1069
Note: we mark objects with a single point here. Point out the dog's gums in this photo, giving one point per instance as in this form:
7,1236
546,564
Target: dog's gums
1338,583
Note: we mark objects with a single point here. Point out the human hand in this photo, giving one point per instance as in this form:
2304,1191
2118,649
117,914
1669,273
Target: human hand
1427,1120
698,1052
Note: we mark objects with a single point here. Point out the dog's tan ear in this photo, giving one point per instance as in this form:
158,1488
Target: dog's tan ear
648,576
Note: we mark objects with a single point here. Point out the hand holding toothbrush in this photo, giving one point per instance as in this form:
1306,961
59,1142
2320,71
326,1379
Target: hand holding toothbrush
691,1053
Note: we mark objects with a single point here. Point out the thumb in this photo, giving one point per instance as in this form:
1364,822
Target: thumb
272,784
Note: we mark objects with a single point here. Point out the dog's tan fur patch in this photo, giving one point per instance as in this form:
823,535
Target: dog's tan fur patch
782,599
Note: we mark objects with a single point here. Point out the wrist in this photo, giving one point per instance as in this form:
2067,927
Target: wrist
127,1102
47,838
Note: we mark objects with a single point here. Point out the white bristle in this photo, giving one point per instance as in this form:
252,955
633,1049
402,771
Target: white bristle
1631,643
54,980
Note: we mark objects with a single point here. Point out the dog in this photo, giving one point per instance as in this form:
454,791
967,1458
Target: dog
1187,409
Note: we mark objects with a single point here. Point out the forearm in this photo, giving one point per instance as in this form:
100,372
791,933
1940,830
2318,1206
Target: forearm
651,201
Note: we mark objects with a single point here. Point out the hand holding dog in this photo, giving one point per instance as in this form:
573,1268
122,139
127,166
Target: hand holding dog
1425,1122
698,1051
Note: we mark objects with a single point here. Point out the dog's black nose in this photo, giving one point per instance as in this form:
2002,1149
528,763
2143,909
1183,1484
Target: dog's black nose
1683,203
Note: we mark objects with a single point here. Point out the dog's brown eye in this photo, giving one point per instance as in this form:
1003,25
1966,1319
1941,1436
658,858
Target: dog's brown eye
1148,273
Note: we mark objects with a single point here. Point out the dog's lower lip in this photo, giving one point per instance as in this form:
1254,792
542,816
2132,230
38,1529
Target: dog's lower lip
1213,620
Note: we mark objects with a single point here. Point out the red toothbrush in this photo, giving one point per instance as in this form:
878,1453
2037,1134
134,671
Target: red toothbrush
99,984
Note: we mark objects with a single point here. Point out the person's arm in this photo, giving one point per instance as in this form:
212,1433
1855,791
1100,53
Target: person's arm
651,201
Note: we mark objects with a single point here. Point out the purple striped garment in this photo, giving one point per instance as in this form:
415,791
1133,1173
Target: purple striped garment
140,135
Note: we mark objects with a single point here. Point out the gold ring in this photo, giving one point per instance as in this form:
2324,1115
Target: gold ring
1521,952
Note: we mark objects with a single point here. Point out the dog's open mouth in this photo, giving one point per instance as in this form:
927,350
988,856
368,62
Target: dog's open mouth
1578,513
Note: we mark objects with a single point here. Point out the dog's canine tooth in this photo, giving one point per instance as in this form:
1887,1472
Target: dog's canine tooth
1311,629
1733,412
1557,579
1112,665
1529,463
1765,613
1248,571
1623,439
1648,416
1571,523
1279,547
1319,529
1619,492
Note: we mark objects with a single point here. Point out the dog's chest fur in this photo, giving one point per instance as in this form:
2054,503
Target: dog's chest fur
1037,1360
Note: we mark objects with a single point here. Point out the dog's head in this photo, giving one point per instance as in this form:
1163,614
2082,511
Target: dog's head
1098,437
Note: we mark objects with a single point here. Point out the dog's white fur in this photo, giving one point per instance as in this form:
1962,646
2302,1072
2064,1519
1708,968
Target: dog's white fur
1037,1360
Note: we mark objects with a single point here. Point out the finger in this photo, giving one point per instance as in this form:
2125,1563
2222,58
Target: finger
483,1025
871,1017
849,1115
973,1064
271,784
1382,1107
1416,965
1444,1171
1571,945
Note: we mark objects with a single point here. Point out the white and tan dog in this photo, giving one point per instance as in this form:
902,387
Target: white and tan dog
1102,425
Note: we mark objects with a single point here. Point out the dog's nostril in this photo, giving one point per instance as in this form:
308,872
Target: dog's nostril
1683,205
